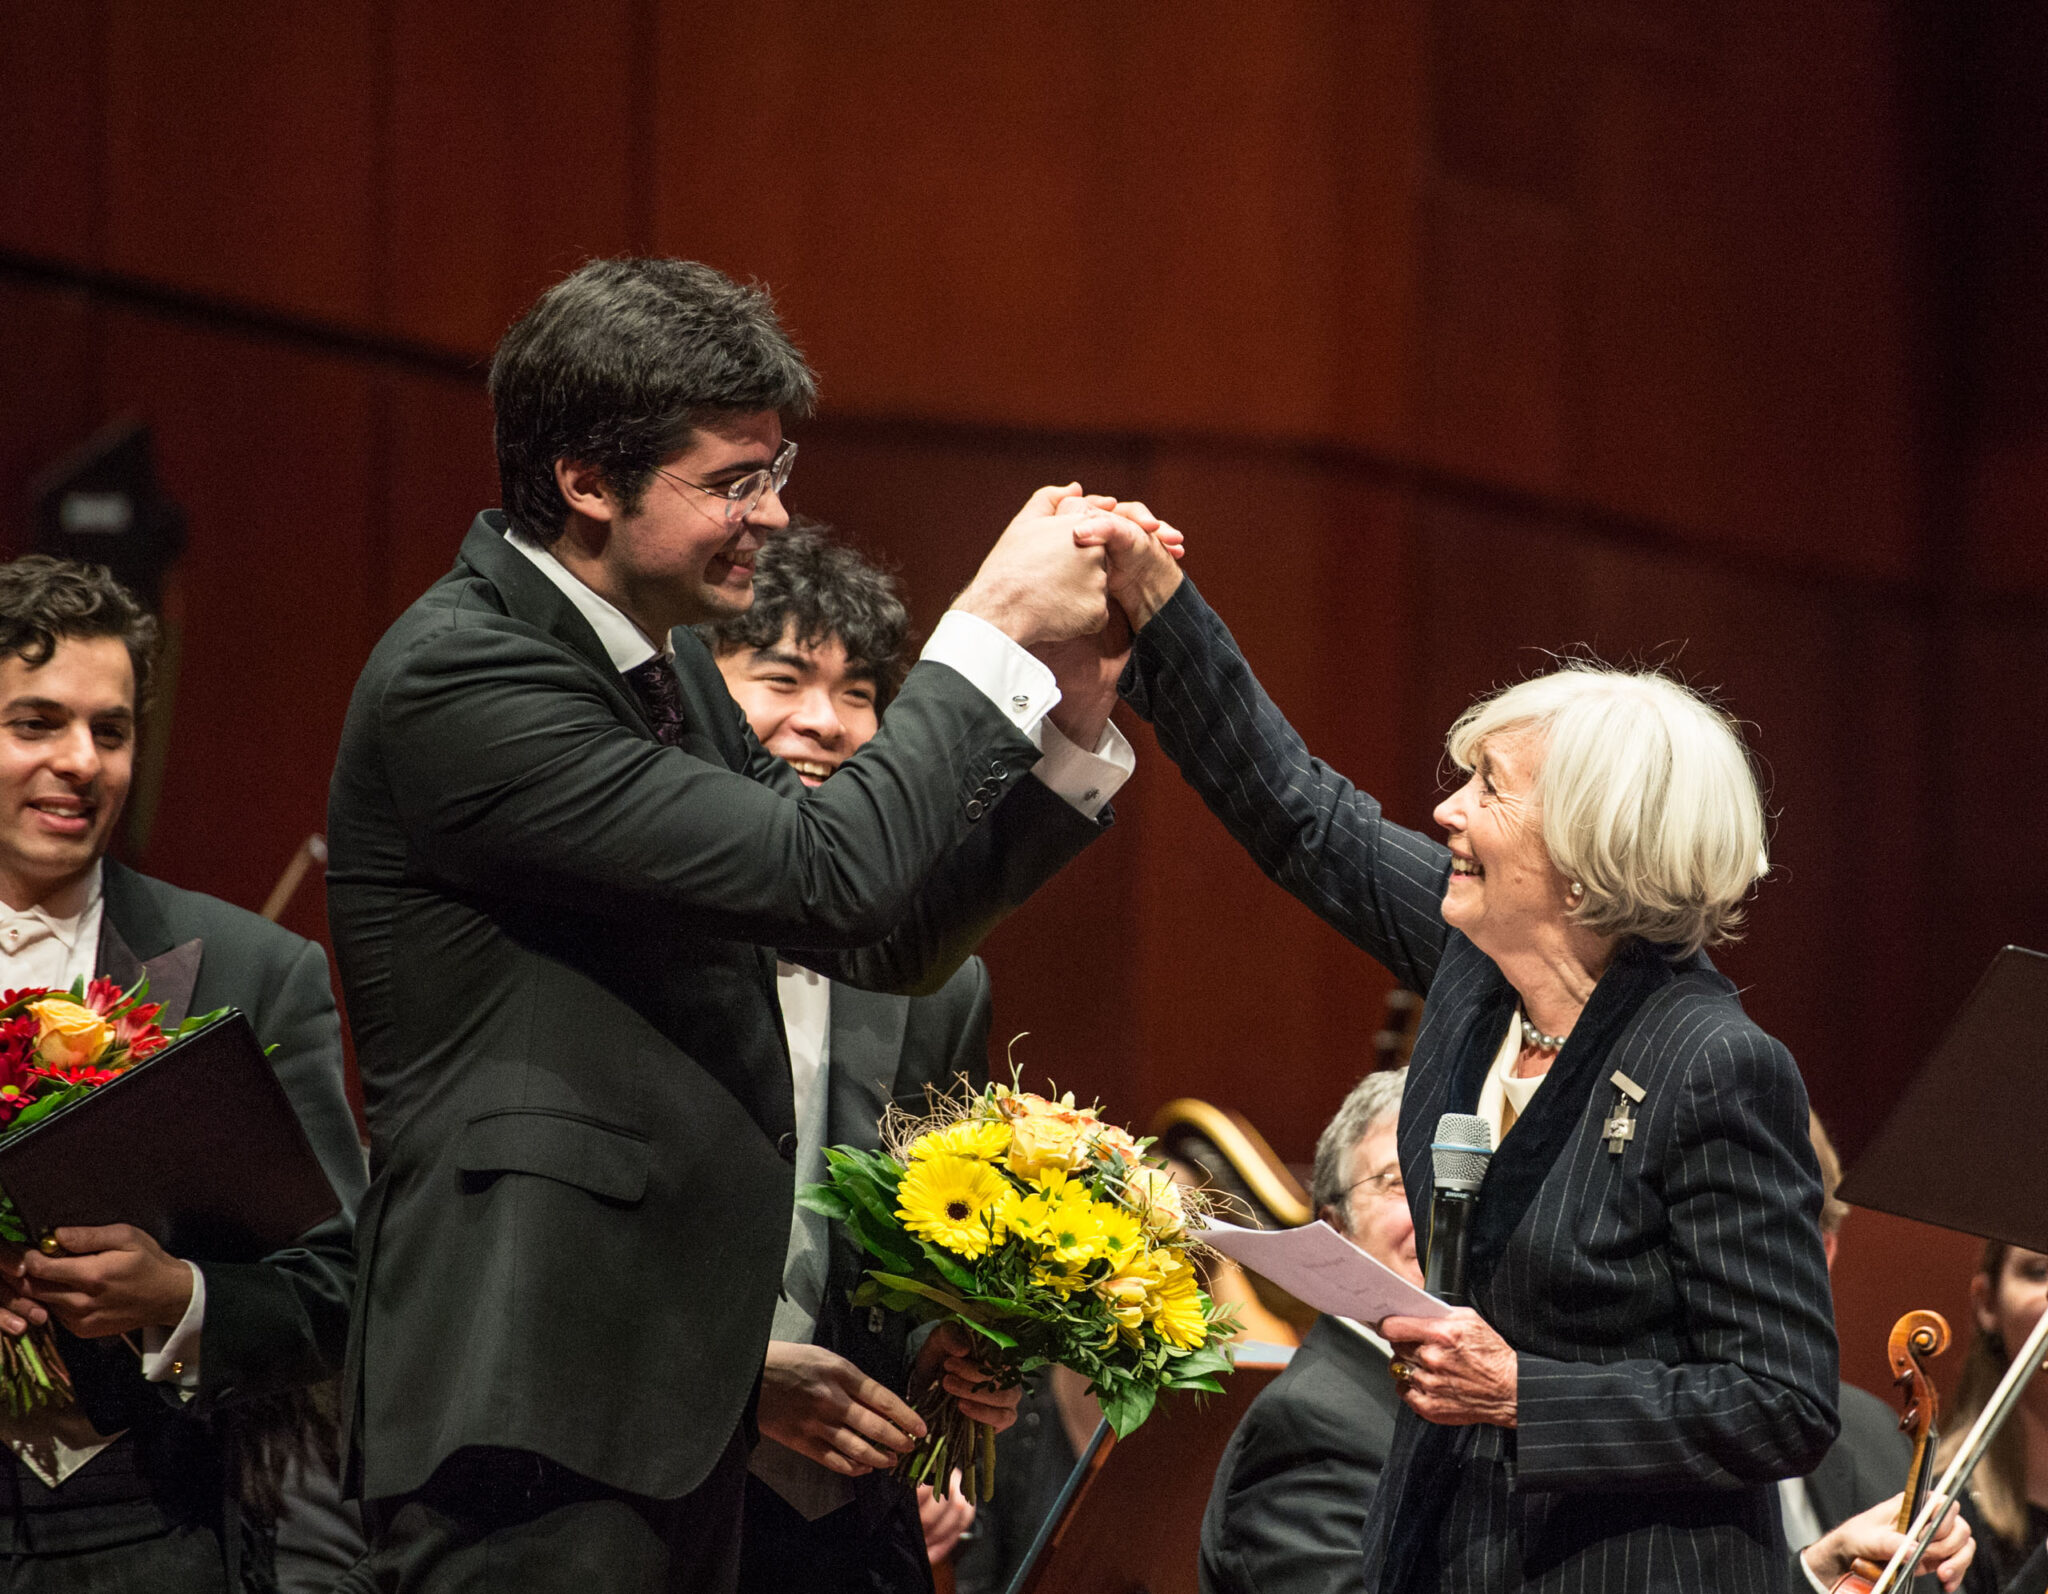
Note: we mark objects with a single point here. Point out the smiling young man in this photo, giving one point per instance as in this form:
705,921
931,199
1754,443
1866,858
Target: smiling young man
561,870
150,1479
812,664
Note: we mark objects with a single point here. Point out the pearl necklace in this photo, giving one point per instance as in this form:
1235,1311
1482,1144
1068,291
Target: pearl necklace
1534,1037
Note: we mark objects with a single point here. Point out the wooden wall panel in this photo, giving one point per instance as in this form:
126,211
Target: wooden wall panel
1144,233
52,126
1496,337
1662,383
439,472
49,400
1808,152
242,150
269,451
513,133
1990,859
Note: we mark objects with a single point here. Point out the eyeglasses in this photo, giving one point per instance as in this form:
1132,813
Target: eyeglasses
1387,1182
741,497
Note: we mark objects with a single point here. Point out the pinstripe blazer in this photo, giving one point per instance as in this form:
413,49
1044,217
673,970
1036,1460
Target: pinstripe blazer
1668,1305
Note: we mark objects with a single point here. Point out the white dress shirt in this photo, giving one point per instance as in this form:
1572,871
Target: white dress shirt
56,944
1005,673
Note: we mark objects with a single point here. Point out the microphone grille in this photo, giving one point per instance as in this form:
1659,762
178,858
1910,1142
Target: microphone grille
1461,1151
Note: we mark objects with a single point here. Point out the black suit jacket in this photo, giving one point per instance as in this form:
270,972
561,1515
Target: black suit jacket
552,931
1668,1305
1287,1512
271,1326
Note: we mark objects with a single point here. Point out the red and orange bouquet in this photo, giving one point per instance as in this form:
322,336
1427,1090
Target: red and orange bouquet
55,1047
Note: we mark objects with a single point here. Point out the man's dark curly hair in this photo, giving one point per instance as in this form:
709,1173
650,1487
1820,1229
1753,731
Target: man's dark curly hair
44,600
820,589
615,364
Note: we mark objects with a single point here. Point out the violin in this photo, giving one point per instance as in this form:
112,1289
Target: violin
1915,1336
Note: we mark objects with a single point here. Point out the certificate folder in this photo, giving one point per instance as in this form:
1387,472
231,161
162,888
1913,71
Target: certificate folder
198,1145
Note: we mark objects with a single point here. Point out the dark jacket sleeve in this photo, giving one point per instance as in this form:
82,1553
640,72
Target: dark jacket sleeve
513,775
1751,1401
1287,1515
1305,825
283,1322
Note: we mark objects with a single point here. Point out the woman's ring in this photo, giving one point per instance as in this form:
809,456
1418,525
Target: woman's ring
1400,1369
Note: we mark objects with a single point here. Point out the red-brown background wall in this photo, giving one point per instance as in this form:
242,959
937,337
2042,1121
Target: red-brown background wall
1450,330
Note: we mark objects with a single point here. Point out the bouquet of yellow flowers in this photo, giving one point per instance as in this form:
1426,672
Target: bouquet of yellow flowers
1050,1236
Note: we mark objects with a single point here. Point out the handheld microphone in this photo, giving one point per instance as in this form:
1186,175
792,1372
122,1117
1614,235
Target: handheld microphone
1458,1158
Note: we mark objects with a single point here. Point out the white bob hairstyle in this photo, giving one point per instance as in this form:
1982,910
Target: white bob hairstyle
1646,799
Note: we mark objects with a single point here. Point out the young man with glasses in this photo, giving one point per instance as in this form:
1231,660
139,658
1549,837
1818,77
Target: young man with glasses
1287,1513
561,871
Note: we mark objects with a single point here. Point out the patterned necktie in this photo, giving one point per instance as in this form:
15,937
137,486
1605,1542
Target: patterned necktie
661,695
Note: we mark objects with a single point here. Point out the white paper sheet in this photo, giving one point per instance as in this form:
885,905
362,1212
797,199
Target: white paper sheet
1321,1268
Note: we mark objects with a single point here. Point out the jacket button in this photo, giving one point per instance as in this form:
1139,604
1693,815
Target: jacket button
785,1148
975,808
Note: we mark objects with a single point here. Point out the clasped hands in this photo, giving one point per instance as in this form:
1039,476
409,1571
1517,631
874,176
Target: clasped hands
1069,578
113,1279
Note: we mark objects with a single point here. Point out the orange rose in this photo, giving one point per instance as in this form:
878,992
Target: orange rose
69,1037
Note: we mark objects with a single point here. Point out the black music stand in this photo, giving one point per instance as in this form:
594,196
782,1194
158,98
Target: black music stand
1966,1147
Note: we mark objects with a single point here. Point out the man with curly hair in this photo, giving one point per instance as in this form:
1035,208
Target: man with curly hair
812,664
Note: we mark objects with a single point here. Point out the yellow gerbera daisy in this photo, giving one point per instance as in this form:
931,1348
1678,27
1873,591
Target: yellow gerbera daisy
1131,1292
953,1201
1178,1316
1120,1234
1062,1223
987,1138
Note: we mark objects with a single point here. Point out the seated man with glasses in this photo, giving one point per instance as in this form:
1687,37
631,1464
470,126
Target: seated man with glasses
1287,1513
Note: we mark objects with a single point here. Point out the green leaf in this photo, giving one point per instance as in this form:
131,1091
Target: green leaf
953,1273
931,1292
823,1198
986,1332
43,1106
202,1021
1128,1406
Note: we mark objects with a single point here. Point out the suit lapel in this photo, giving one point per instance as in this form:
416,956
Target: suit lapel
530,596
135,941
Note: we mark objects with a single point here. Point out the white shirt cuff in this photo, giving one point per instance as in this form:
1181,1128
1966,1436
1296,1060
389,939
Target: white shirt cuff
1024,689
172,1356
1812,1576
1006,674
1087,780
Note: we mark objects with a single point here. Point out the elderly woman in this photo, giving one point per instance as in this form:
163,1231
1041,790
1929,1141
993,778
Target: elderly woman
1653,1344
